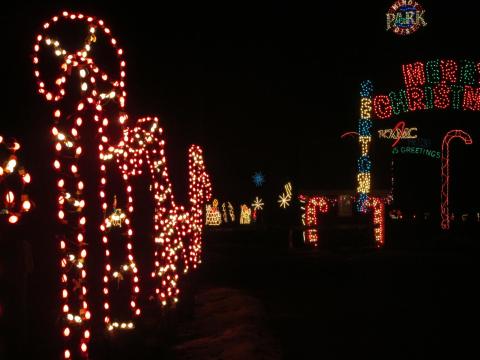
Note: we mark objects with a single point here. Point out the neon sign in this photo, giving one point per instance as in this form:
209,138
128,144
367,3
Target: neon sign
405,17
416,150
397,133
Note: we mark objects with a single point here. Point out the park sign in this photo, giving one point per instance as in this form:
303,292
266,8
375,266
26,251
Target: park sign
405,17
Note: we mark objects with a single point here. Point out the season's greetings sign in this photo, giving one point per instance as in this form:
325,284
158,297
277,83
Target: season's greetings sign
435,84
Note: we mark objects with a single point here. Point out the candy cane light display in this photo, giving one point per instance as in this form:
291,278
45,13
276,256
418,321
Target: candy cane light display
449,136
312,206
92,111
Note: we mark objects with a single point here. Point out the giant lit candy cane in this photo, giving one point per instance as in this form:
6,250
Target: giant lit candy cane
97,116
99,100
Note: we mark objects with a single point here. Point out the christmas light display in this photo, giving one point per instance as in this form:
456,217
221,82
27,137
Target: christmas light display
100,99
214,218
399,132
364,138
449,136
177,231
312,206
231,211
285,197
435,84
245,215
405,17
257,204
13,180
349,133
224,213
378,208
258,179
416,150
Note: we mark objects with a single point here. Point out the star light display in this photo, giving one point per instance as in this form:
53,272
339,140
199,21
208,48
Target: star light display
13,180
449,136
214,218
257,204
258,179
285,197
100,99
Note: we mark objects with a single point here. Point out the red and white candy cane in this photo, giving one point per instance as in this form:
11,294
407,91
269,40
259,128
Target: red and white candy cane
449,136
90,112
177,231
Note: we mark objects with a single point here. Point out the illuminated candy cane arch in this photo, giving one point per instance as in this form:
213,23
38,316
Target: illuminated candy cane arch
92,113
313,206
437,84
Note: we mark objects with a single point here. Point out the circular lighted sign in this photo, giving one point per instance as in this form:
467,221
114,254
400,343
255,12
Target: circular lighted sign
405,17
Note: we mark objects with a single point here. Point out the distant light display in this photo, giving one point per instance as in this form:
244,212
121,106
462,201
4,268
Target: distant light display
13,180
257,204
245,215
467,139
224,213
285,197
258,179
231,212
378,208
312,206
405,17
214,218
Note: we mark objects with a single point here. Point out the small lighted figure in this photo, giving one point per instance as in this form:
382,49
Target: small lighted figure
224,213
258,179
214,218
231,211
117,217
245,215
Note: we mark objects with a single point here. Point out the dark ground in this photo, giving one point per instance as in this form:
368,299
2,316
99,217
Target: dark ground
391,304
256,298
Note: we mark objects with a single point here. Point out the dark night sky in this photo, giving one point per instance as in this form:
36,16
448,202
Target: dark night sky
262,87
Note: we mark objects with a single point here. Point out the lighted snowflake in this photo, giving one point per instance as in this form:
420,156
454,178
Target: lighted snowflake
258,179
257,204
284,200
